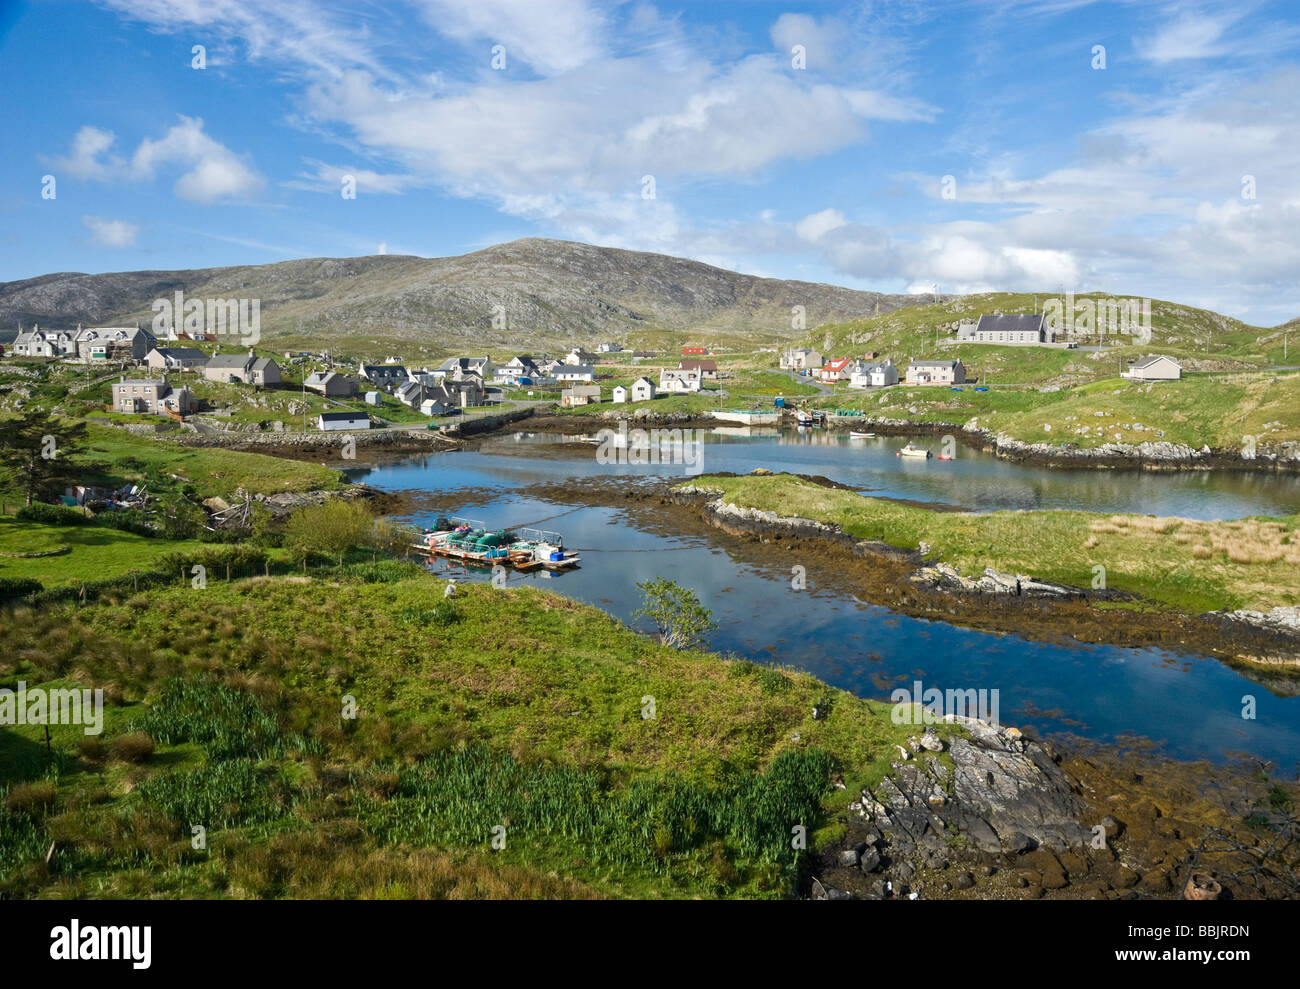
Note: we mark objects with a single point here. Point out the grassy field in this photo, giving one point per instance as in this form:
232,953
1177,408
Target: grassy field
1179,563
516,708
1198,338
1218,410
95,552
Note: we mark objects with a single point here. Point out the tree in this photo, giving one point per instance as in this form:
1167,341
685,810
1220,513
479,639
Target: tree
34,454
332,528
678,616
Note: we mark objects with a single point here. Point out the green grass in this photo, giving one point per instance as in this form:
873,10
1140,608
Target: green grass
526,711
97,552
1178,563
210,470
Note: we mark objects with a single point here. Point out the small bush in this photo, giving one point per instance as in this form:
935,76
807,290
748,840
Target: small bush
30,798
135,747
90,748
440,615
52,514
12,588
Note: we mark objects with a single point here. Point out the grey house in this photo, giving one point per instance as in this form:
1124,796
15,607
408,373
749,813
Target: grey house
246,368
331,384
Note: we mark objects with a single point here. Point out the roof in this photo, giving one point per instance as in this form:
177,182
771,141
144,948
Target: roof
1012,323
837,364
572,369
645,379
262,363
228,360
935,363
700,365
1150,359
142,381
182,353
583,390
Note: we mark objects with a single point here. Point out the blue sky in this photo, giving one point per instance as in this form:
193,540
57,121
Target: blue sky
1134,178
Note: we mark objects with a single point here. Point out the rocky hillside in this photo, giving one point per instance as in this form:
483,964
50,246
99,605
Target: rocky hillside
551,293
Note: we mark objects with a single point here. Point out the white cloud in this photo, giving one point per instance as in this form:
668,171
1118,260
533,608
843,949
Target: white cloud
213,171
210,170
1190,35
110,233
553,37
816,225
89,158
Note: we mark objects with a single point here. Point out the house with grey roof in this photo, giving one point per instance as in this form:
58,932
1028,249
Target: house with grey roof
1009,330
331,384
44,343
384,375
1153,367
936,373
574,372
247,369
174,358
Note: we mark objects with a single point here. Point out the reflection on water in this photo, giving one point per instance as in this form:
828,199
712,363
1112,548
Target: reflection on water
1191,706
973,479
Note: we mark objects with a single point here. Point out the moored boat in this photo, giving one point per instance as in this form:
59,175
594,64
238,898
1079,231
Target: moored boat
469,542
914,451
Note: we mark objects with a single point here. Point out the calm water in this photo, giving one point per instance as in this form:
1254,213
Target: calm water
1190,706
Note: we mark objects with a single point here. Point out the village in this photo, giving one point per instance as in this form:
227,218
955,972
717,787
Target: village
179,375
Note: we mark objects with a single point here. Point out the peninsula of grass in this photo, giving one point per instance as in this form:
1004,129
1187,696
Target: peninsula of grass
603,763
1182,564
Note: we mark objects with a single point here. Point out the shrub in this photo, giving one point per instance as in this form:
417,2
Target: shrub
440,615
128,520
228,722
134,746
39,511
30,798
12,588
220,795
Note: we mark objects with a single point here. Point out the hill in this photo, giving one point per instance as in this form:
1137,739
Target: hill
551,293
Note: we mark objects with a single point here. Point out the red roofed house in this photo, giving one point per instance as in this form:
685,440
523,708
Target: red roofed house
835,370
687,351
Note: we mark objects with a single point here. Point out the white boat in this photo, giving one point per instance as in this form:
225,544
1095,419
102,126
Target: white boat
861,436
914,451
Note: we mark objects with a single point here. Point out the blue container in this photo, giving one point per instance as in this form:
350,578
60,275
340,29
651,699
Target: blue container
779,403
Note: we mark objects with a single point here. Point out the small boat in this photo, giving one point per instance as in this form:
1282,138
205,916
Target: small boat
861,436
944,456
471,543
914,451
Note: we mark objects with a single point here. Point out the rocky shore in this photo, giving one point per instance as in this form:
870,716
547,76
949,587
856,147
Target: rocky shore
973,809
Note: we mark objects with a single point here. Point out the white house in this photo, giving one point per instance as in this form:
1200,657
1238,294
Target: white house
620,394
678,380
574,372
877,375
44,343
609,348
936,373
579,356
1010,330
800,359
330,421
1153,367
171,358
643,389
435,407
